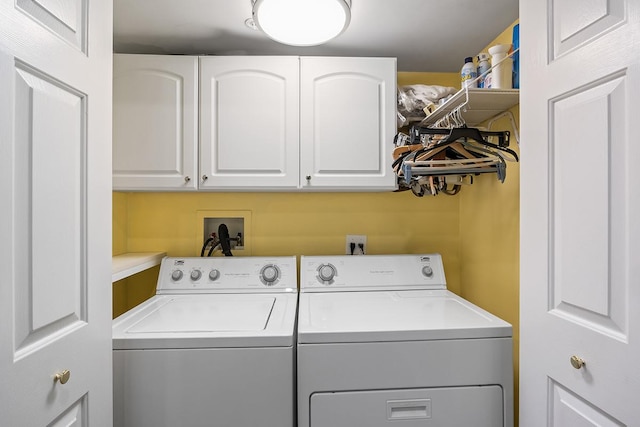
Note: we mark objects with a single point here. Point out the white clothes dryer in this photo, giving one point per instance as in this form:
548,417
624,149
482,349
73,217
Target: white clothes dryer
382,342
214,347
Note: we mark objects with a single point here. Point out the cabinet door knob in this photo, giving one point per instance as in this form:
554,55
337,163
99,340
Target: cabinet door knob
187,179
63,376
577,362
205,177
308,177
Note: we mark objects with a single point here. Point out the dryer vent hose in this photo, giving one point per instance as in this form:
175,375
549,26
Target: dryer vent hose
225,242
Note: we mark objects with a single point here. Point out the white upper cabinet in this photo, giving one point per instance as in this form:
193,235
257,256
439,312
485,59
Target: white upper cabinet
249,137
266,123
347,123
155,122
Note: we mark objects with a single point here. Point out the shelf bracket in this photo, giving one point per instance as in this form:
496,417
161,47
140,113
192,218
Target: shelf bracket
511,118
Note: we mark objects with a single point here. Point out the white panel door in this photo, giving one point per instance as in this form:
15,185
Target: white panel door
249,122
155,122
347,123
55,215
580,204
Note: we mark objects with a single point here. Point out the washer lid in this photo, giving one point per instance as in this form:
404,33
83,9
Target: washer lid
342,317
208,320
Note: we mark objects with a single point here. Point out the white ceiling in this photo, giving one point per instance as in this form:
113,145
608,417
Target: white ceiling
425,35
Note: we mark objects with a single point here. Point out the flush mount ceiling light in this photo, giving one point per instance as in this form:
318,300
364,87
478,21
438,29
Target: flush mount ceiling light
302,22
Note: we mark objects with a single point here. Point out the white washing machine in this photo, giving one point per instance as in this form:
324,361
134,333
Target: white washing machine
214,347
382,342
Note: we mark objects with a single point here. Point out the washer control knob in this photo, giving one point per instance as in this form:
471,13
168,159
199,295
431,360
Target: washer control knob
214,275
269,274
196,274
326,273
176,275
427,271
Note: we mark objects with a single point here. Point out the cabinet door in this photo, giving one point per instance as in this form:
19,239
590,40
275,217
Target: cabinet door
155,127
249,122
347,119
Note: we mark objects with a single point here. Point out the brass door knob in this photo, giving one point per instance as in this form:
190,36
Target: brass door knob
577,362
63,376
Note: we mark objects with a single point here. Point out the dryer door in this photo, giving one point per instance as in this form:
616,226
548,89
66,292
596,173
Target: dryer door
441,407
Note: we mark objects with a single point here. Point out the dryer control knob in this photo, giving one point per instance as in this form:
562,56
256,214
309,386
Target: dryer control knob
176,275
269,274
196,274
326,273
427,271
214,275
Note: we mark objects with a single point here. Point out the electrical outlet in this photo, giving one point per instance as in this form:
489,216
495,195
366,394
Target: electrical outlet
359,244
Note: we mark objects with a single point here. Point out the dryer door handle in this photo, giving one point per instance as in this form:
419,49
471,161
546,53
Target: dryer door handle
409,409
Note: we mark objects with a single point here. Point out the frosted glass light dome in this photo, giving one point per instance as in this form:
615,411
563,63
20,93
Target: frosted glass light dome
302,22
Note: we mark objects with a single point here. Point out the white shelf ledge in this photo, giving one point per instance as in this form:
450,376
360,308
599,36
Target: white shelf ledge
477,105
128,264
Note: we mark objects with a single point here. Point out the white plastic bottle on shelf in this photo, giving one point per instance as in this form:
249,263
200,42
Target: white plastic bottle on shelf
488,81
468,73
501,77
483,66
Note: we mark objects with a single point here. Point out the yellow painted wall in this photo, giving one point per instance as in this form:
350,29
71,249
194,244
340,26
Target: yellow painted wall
119,246
290,224
489,238
442,79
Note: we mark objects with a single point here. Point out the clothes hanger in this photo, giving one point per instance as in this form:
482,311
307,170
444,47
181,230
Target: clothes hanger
416,133
433,160
456,140
473,135
453,149
450,141
488,164
400,153
490,146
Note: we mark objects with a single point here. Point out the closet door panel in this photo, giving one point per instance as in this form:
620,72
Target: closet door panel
55,214
580,241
